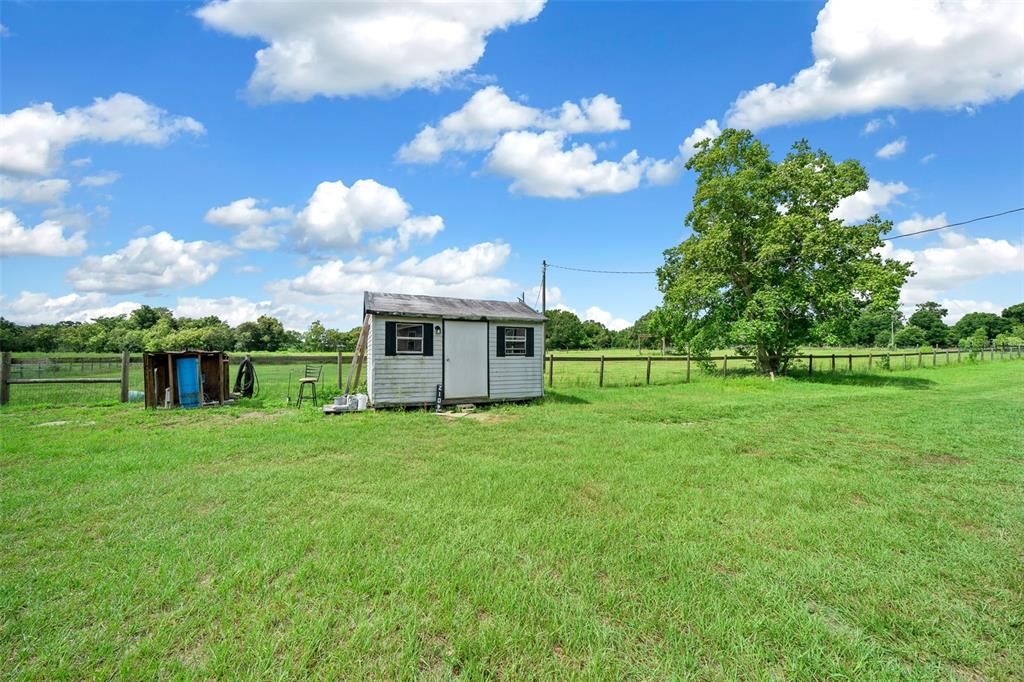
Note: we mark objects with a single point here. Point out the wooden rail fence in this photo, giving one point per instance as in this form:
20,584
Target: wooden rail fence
125,360
947,353
7,380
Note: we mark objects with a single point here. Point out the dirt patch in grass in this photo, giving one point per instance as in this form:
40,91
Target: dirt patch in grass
483,417
63,423
213,416
965,674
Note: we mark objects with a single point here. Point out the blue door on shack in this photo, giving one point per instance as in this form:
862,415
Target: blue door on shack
188,381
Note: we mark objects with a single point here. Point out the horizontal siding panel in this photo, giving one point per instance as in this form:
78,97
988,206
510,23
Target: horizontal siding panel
407,379
516,377
401,379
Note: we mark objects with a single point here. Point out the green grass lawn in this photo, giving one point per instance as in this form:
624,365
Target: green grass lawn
850,525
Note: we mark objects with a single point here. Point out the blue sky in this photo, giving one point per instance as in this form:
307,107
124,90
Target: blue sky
150,156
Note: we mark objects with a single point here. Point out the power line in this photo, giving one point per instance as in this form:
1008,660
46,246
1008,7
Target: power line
884,239
605,272
944,227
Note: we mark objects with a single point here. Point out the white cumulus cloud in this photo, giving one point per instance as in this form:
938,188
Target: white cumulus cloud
33,139
468,273
917,222
455,265
665,172
336,215
362,48
866,203
149,263
236,309
893,149
873,55
28,191
606,318
877,124
253,224
39,308
956,261
541,165
100,179
490,112
45,239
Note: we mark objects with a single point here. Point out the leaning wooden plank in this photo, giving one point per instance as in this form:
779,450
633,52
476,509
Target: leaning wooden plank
357,360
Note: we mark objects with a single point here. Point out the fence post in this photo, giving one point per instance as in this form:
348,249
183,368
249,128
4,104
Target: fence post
648,370
933,356
551,369
5,375
958,355
687,366
870,360
341,363
810,364
849,363
992,355
125,359
725,364
600,380
833,362
904,361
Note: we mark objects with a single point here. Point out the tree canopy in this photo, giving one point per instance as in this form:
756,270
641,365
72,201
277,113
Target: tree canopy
769,267
928,318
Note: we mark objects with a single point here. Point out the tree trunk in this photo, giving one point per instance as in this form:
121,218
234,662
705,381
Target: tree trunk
770,360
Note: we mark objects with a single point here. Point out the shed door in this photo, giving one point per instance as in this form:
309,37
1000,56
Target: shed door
465,359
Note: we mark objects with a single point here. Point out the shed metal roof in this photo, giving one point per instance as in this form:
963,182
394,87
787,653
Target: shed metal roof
450,308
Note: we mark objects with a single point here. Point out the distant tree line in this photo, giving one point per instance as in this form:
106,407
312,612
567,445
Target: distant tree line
150,328
153,328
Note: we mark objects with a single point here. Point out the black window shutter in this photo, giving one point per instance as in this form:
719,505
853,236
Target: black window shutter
499,344
428,339
390,332
529,342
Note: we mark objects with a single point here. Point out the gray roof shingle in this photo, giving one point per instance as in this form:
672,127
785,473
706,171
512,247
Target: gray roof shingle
450,308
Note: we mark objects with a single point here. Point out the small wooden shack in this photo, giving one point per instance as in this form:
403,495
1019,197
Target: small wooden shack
195,378
475,350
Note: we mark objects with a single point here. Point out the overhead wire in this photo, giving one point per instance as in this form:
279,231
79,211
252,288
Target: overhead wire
884,239
945,227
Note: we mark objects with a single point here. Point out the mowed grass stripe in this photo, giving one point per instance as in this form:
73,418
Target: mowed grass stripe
863,526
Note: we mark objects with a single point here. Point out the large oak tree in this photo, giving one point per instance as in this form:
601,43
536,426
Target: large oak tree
768,266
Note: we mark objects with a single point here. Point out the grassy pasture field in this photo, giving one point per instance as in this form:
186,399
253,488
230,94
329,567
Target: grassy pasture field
856,525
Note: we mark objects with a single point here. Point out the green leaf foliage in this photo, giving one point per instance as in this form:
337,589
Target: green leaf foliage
768,268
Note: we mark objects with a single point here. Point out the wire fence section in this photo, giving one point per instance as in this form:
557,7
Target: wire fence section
96,380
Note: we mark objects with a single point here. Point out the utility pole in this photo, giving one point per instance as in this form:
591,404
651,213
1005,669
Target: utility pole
544,287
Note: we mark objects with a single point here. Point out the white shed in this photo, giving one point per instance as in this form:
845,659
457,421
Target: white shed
476,351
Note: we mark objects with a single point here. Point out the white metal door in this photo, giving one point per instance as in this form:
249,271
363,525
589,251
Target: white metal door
465,359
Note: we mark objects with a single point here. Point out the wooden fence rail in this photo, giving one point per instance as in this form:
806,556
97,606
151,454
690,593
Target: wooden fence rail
949,356
947,353
6,380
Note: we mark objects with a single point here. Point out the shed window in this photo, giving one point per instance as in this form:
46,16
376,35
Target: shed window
515,341
409,339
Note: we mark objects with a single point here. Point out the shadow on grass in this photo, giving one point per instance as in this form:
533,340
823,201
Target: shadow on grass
870,380
562,398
